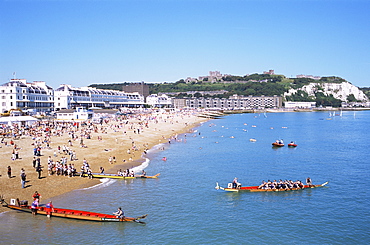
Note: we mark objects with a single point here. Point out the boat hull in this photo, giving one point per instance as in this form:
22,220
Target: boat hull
277,145
77,214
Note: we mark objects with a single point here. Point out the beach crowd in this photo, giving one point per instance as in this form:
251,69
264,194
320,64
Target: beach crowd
64,148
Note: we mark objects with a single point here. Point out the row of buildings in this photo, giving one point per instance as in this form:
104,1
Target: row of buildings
39,97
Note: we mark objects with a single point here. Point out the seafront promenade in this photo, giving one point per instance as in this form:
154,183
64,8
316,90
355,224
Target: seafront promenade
116,143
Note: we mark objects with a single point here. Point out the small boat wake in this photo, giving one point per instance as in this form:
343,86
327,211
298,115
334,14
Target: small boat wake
141,167
104,183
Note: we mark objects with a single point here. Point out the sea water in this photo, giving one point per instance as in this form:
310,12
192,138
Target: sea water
183,206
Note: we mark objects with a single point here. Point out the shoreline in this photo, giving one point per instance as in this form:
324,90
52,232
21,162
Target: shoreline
125,139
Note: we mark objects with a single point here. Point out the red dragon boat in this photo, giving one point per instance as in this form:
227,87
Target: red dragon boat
257,189
70,213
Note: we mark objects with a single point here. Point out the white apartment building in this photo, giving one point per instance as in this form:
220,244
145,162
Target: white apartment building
234,102
68,97
162,100
18,93
294,105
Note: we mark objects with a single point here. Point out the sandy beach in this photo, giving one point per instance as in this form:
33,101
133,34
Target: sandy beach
125,139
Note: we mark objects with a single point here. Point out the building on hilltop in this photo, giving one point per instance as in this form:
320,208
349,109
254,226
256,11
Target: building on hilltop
68,97
18,93
213,76
270,72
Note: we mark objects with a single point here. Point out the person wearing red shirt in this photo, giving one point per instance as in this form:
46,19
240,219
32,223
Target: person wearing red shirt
49,208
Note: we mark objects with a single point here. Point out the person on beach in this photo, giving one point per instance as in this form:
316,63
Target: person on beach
49,208
13,156
9,172
89,173
23,178
34,206
36,196
39,170
16,152
34,162
119,214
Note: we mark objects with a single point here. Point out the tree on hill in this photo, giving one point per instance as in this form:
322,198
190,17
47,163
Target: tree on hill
323,100
352,98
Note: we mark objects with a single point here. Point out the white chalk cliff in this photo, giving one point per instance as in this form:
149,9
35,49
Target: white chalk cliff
338,90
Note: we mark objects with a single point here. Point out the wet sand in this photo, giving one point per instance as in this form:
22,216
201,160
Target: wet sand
114,141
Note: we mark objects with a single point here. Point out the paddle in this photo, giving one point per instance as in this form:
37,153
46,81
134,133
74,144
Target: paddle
140,217
141,222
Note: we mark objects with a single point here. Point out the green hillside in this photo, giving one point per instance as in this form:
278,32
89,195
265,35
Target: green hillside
254,85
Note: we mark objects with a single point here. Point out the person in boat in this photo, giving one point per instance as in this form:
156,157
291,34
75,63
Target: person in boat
275,184
49,208
143,173
119,214
34,206
37,196
263,185
309,182
300,184
236,184
280,184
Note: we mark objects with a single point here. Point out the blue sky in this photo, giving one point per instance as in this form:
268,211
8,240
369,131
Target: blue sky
82,42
